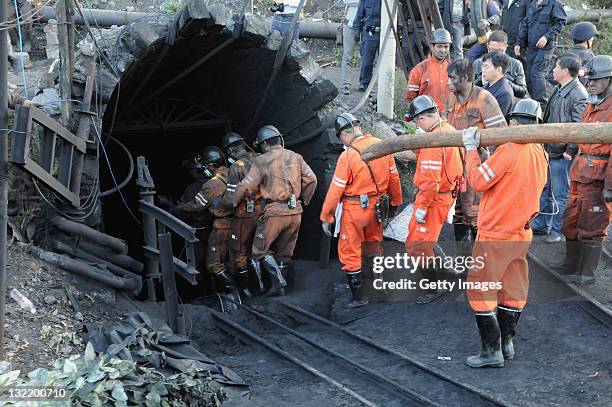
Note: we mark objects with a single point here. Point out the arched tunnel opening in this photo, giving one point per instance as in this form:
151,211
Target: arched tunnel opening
169,105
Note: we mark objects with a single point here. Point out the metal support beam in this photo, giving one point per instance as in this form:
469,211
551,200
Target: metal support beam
3,168
123,129
168,280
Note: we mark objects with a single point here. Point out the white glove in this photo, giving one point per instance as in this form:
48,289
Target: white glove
419,215
327,228
471,138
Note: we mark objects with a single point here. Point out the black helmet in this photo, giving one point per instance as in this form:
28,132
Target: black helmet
420,104
584,31
211,155
599,67
266,133
343,121
229,139
527,108
440,36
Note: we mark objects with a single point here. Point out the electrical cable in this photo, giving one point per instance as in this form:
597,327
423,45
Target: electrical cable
130,172
110,168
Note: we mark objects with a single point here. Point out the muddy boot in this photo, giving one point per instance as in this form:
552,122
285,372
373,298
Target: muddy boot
228,289
571,264
490,336
277,281
508,318
355,284
256,268
243,283
591,252
430,295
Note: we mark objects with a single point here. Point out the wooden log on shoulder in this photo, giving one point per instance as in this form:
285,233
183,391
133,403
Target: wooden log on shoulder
578,133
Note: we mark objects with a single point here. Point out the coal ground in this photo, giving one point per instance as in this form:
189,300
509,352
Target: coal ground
564,356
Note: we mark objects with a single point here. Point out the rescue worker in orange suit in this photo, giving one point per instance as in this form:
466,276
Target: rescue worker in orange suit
285,182
469,106
437,177
430,76
589,206
210,198
358,186
511,182
247,212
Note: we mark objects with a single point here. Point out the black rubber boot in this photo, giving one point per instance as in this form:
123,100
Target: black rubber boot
508,318
227,287
277,281
490,336
573,252
431,295
243,283
355,284
591,252
256,268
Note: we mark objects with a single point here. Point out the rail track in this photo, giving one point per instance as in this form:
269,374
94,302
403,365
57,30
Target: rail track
585,300
370,373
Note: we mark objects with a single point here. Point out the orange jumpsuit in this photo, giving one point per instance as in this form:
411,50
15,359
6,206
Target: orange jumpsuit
210,197
351,179
481,110
247,212
587,215
437,174
429,77
511,182
276,175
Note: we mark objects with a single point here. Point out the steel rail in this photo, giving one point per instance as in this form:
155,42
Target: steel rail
233,328
591,305
402,356
385,381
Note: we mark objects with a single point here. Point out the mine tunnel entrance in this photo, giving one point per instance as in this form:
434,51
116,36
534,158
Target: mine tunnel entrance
169,105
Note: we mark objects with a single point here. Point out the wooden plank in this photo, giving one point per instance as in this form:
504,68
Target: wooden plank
46,153
53,183
44,120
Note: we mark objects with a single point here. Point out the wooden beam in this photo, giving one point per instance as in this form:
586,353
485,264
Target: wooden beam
578,133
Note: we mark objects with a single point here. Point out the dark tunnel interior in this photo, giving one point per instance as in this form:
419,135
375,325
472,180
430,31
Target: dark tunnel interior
168,121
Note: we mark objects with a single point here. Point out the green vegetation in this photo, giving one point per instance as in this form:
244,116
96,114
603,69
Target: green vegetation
171,7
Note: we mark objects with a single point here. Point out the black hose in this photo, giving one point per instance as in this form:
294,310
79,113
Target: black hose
130,172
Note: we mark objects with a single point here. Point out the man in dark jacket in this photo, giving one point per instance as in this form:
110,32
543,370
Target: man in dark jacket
491,22
455,19
494,66
498,41
583,35
537,33
513,12
566,105
366,28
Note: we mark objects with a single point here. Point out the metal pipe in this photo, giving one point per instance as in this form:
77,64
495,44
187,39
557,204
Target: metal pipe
66,248
122,260
88,233
103,18
3,169
82,269
308,29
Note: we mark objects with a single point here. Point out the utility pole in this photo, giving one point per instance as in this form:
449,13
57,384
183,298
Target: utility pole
3,169
386,56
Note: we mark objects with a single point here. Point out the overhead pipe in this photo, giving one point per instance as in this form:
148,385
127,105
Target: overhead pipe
79,229
133,285
308,29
